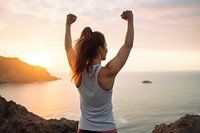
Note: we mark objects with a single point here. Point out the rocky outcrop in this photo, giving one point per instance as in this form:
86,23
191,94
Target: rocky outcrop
15,118
146,81
12,70
186,124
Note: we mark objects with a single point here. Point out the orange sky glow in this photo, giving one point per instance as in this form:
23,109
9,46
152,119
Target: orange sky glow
166,31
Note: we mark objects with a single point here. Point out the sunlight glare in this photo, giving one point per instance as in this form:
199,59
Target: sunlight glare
38,60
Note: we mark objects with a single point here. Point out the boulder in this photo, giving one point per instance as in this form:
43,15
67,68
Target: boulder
15,118
186,124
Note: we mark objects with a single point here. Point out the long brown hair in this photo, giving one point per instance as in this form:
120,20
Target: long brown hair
87,48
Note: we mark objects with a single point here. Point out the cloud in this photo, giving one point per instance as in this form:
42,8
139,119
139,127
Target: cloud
171,3
32,26
156,21
168,24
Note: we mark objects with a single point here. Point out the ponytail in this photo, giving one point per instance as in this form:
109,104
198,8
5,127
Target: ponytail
87,47
86,33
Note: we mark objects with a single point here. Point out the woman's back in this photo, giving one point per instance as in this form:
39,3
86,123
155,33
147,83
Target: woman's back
96,105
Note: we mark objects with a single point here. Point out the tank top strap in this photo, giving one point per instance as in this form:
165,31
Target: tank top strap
96,68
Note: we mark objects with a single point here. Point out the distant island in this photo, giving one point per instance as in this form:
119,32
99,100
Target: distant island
13,70
146,81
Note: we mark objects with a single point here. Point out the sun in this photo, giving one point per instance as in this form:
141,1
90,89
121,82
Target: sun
37,59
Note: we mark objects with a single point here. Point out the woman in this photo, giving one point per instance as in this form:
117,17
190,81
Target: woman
95,82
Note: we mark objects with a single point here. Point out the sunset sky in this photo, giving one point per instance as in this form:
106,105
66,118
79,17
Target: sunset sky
167,32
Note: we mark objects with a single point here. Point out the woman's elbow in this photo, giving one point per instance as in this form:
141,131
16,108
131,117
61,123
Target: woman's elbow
129,44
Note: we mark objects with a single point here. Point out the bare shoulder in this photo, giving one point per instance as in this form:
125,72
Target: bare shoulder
105,79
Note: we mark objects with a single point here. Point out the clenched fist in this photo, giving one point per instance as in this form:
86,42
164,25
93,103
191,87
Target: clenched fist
71,18
127,15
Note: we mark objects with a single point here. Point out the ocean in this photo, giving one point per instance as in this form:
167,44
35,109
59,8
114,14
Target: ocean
137,107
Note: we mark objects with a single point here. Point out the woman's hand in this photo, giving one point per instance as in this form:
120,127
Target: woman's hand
127,15
71,18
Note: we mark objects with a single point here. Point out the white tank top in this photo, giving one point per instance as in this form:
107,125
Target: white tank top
95,104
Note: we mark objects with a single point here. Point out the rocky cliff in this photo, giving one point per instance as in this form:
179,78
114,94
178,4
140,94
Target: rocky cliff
12,70
15,118
186,124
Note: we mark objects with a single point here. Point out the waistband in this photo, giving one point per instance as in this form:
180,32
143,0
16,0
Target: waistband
87,131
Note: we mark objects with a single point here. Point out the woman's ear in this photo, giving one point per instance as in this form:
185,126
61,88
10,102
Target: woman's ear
102,52
101,49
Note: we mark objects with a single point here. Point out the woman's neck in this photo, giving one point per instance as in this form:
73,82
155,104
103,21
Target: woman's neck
96,61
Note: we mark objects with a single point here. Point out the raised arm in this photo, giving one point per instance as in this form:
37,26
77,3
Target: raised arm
115,65
68,39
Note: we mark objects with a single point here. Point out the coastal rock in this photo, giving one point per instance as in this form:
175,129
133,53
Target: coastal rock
15,118
146,81
13,70
186,124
